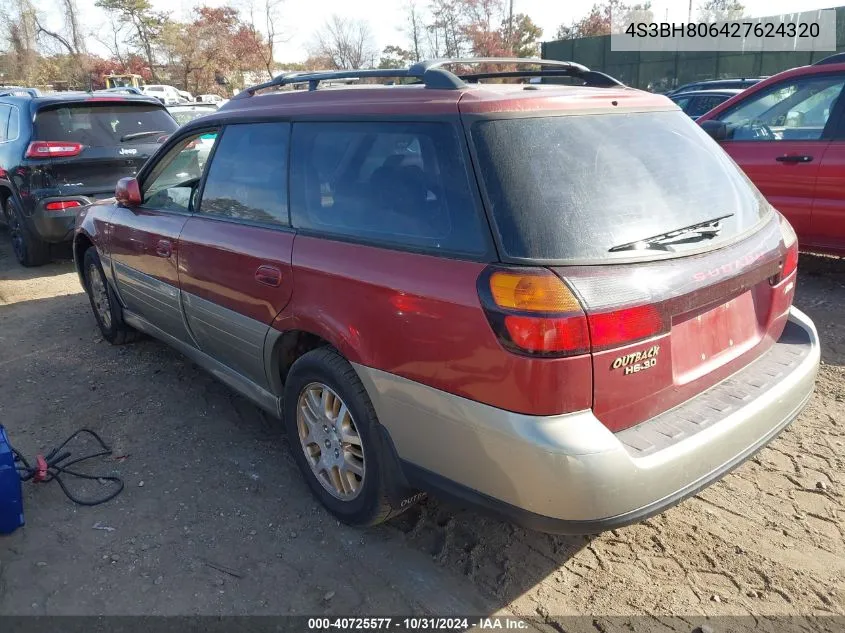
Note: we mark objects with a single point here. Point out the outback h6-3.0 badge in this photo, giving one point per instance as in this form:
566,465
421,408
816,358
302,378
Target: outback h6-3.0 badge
637,361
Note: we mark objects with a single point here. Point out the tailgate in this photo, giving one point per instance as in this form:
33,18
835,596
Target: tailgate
96,170
717,312
92,143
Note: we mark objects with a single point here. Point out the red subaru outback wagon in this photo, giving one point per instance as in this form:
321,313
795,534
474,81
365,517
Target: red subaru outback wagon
562,303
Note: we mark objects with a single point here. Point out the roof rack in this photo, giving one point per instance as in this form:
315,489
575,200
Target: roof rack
432,74
836,58
19,91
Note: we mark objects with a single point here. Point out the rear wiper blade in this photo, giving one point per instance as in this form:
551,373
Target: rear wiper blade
134,135
707,229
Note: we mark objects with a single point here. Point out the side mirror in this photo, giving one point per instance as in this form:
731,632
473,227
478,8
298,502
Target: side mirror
716,129
128,192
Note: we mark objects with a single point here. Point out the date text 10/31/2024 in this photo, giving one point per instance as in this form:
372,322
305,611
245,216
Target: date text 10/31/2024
417,624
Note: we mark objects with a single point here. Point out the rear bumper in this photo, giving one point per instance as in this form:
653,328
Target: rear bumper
569,473
55,226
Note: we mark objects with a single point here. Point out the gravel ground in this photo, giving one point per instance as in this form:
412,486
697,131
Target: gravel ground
216,520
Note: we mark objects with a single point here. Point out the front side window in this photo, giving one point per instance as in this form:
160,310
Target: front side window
796,109
247,179
173,182
404,184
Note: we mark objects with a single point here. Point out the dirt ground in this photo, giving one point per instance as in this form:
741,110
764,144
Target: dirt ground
215,518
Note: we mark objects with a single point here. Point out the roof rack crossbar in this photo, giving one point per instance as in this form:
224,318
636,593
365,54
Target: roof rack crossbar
592,78
438,63
431,73
19,92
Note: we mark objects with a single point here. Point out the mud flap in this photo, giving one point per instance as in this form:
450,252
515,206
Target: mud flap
399,492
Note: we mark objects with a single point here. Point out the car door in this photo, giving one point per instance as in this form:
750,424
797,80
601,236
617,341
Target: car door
143,239
235,251
779,135
827,228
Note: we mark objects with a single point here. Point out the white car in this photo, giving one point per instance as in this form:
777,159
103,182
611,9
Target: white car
168,95
215,99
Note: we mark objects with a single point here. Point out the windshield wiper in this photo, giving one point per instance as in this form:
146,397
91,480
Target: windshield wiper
134,135
702,230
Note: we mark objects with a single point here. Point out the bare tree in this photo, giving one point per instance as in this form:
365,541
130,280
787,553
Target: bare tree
414,28
20,31
344,42
265,25
114,38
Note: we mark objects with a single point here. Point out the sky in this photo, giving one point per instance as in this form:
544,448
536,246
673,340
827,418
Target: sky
386,17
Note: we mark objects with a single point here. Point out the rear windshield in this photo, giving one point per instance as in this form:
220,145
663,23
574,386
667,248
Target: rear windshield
104,125
570,188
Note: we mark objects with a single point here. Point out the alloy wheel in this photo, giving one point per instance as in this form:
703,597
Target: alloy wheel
99,295
330,440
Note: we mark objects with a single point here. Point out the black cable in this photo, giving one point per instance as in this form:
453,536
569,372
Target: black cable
56,466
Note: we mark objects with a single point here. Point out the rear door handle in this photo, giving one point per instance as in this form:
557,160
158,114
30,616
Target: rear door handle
794,158
268,275
164,248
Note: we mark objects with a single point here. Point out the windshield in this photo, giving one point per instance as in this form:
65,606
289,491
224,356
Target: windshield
104,125
570,188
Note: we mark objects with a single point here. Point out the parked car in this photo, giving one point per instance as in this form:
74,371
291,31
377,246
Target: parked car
58,152
788,135
697,102
716,84
186,96
168,95
185,112
564,304
216,99
188,112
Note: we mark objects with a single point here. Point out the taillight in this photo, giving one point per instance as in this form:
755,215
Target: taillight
532,311
548,335
53,149
625,326
61,205
790,240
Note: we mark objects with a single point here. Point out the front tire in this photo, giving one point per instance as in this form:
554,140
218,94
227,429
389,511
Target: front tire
29,250
104,303
333,435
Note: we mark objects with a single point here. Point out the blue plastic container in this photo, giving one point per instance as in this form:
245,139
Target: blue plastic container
11,500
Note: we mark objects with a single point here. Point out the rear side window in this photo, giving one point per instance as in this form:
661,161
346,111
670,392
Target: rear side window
247,178
5,111
104,125
404,184
14,125
571,188
703,104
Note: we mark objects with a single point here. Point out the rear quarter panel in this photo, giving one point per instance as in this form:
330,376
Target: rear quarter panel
419,317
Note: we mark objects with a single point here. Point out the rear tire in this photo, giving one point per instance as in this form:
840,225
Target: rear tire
334,437
29,250
104,303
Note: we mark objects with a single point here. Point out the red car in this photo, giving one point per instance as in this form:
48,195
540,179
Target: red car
564,304
788,134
